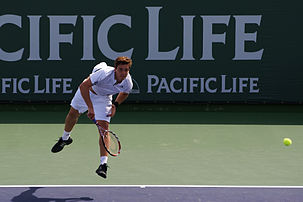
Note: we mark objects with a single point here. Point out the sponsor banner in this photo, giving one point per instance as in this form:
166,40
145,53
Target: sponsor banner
189,51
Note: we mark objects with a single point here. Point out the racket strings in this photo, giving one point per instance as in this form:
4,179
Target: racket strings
113,146
111,142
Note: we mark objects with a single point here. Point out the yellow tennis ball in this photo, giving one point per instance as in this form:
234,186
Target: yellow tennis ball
287,141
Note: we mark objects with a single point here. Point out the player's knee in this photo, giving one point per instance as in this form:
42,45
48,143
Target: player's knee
74,114
103,124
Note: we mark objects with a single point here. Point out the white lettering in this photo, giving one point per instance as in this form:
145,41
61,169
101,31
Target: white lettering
202,81
224,90
234,85
20,85
253,85
34,37
56,38
184,85
13,56
47,85
103,34
188,38
172,85
150,83
5,84
36,77
242,84
163,85
66,85
207,85
241,37
208,37
153,37
193,84
88,37
14,85
202,85
56,84
36,85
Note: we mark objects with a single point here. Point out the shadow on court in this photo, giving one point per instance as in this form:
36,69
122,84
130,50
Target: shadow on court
150,194
28,196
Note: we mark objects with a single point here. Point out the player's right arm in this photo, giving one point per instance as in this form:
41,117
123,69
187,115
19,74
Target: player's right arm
84,89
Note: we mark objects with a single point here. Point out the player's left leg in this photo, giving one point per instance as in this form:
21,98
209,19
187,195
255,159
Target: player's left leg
102,107
102,169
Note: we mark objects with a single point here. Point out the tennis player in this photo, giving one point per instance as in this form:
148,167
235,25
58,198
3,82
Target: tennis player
95,96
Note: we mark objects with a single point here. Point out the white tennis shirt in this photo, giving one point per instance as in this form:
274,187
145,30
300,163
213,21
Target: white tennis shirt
104,82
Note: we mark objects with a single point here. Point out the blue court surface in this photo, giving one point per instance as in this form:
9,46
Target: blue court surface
141,193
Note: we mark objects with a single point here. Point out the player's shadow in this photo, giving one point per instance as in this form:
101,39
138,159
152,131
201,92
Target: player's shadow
28,196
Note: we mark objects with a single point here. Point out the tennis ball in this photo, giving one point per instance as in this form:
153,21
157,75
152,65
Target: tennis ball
287,141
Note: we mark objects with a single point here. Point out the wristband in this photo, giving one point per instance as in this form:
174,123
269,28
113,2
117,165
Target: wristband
116,104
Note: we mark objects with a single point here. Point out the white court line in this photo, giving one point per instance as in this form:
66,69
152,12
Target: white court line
160,186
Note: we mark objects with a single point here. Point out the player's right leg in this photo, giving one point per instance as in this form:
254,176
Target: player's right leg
78,106
70,120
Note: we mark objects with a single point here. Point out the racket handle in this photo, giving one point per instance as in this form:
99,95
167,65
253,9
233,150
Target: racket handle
94,120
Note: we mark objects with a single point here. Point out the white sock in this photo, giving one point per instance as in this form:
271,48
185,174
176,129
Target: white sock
65,135
103,159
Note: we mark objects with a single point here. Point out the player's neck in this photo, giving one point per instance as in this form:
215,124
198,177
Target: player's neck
117,82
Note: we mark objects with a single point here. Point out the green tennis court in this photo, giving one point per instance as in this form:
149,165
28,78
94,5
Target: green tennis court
208,147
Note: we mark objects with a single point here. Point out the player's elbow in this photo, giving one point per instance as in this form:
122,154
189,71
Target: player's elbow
83,86
124,94
86,84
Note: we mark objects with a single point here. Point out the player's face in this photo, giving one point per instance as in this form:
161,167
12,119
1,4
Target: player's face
121,72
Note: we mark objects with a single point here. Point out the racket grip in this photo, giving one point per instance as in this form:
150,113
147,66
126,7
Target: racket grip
94,120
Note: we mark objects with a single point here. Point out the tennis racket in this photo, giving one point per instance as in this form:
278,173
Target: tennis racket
110,140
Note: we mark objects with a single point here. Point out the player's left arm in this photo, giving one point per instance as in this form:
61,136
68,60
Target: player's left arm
120,98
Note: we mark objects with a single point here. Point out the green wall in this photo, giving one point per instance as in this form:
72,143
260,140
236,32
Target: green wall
197,51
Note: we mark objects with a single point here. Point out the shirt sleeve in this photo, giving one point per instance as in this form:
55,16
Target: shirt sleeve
99,66
97,76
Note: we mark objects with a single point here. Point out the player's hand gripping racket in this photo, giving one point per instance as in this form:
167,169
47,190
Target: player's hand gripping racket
110,140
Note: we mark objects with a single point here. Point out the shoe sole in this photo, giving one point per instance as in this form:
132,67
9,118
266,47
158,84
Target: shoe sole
56,151
102,174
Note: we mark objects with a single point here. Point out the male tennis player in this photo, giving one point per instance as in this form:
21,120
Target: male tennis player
95,96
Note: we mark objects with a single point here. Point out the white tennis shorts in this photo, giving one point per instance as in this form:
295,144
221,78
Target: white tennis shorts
102,105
